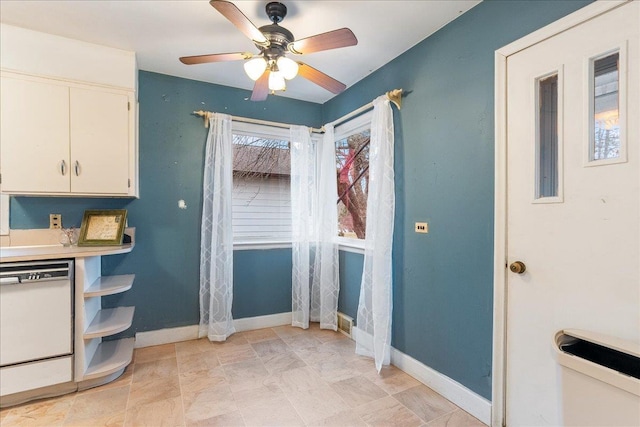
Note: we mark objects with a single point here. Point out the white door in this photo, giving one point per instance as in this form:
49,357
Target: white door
573,208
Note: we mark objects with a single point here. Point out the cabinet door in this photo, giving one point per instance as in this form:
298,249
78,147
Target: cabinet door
34,136
99,142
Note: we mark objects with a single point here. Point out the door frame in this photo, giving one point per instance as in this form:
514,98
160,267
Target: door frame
498,406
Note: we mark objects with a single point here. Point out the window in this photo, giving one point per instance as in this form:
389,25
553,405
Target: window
261,209
547,150
605,126
352,141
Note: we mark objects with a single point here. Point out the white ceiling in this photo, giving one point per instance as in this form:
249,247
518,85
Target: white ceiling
161,31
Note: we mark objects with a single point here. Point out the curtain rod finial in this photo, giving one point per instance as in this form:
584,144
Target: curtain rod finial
205,115
395,96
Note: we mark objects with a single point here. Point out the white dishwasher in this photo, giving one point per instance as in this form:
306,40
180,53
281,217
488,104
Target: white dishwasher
36,325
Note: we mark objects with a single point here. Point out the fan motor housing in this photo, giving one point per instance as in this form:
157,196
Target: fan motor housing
279,38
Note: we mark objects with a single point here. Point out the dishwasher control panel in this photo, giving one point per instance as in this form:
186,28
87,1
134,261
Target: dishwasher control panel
13,273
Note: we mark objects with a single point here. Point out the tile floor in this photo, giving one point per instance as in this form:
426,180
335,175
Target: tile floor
279,376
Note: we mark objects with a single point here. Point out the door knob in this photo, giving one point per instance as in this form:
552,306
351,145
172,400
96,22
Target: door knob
518,267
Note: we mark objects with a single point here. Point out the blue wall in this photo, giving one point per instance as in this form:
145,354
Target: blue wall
444,175
166,257
350,277
444,163
262,282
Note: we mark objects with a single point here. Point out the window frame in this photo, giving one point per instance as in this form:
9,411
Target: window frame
357,124
281,133
542,155
589,89
535,189
252,129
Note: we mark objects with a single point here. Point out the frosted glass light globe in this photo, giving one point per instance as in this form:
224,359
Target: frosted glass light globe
276,81
287,67
255,67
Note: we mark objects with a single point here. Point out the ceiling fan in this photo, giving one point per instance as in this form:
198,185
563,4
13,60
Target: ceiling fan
271,66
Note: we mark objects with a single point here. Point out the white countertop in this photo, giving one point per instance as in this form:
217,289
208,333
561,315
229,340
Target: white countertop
38,252
39,244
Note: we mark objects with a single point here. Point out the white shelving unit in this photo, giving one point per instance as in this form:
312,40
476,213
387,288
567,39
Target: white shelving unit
109,322
97,360
110,285
110,357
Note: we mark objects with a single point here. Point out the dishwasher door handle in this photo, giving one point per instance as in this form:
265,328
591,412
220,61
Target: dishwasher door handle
9,281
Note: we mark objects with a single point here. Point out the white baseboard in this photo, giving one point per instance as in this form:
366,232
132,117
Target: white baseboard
461,396
166,336
185,333
260,322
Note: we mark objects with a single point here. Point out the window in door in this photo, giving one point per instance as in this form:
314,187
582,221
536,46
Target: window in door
548,138
605,141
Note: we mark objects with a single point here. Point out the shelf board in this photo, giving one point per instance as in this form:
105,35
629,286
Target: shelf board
110,321
110,357
109,285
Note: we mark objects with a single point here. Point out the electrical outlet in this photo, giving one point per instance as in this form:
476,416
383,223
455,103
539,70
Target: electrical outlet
55,221
422,227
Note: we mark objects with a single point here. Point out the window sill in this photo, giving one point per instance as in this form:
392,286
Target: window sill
350,245
344,244
248,246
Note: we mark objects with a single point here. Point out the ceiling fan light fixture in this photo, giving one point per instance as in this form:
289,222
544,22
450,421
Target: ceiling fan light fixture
269,68
288,67
255,67
276,81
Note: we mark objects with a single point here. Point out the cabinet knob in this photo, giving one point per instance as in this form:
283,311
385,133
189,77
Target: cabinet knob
63,168
77,168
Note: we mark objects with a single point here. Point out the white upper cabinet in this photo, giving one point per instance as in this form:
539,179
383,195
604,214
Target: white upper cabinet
62,138
68,127
100,124
34,136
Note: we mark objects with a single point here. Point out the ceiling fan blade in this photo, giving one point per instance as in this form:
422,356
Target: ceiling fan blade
216,57
261,88
333,39
237,18
320,78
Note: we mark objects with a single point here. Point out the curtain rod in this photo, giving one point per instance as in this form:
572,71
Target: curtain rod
394,96
207,114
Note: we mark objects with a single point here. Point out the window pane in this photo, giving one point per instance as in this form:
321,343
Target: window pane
547,162
352,162
261,189
606,124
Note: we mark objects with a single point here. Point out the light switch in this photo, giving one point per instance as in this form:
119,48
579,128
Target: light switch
422,227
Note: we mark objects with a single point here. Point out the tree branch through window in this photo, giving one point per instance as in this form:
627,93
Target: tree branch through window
352,162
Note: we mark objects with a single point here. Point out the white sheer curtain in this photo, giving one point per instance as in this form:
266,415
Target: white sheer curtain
326,283
314,225
303,191
216,243
375,305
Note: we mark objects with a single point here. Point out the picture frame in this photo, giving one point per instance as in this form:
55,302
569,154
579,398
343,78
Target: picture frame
103,227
